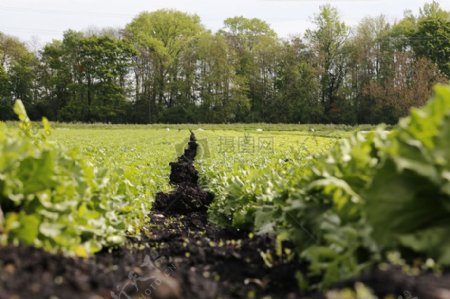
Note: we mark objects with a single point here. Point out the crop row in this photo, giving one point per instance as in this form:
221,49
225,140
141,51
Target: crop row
345,203
78,191
349,207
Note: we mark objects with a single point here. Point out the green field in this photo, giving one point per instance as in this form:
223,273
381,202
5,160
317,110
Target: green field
135,162
331,192
207,150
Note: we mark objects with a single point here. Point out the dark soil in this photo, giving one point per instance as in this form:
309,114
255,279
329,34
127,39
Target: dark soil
187,196
181,255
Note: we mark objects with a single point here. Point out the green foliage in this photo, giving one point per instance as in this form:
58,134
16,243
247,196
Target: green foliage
329,46
244,26
432,40
221,89
56,198
166,67
166,32
408,201
165,40
256,49
5,90
324,213
373,192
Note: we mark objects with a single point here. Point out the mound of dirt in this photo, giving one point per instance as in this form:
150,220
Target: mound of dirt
177,257
187,196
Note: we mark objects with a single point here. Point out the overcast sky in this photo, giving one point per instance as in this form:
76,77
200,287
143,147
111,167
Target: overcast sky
44,20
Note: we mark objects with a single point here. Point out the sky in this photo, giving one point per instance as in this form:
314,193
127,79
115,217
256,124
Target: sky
39,21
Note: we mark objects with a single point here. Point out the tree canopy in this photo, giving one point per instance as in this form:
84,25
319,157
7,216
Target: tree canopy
165,66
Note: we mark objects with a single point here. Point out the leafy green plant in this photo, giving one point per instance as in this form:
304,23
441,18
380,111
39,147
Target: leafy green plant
408,201
371,193
56,198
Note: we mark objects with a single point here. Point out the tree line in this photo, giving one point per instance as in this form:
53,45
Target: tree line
165,66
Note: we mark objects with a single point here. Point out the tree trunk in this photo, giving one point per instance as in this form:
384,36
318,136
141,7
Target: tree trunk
2,220
89,99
